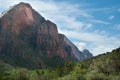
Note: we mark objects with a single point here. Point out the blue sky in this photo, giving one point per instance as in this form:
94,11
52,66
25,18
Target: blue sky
90,24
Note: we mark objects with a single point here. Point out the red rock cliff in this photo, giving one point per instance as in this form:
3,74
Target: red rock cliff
23,32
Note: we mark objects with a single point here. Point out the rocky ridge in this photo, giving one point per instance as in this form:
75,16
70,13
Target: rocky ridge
26,35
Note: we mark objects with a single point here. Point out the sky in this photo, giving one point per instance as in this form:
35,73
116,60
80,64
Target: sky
89,24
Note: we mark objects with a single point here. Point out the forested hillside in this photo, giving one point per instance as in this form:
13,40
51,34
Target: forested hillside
102,67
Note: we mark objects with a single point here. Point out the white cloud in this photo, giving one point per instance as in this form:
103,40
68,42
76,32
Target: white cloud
111,17
97,42
81,45
100,9
99,21
104,49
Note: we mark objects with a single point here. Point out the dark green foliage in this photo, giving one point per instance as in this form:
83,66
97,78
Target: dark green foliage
60,70
16,74
69,66
4,67
102,67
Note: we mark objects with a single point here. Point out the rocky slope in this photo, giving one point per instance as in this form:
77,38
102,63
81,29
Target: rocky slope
87,53
28,39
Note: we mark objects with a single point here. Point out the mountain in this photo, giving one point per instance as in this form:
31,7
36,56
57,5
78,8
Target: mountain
87,53
29,40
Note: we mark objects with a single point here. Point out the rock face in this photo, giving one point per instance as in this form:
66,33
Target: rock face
87,53
26,36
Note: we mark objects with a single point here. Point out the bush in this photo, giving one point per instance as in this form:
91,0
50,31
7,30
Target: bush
96,76
16,74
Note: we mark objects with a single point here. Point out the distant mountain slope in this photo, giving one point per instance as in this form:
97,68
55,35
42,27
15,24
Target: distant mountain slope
29,40
87,53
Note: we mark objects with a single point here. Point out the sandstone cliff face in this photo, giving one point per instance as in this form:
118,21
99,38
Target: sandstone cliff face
19,17
26,34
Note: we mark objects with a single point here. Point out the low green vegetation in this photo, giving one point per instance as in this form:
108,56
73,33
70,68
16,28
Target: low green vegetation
102,67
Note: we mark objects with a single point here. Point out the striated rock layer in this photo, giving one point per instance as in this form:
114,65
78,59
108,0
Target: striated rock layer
28,40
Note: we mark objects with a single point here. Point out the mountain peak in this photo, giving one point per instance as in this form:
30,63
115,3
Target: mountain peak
87,53
24,10
24,33
22,4
20,16
85,50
